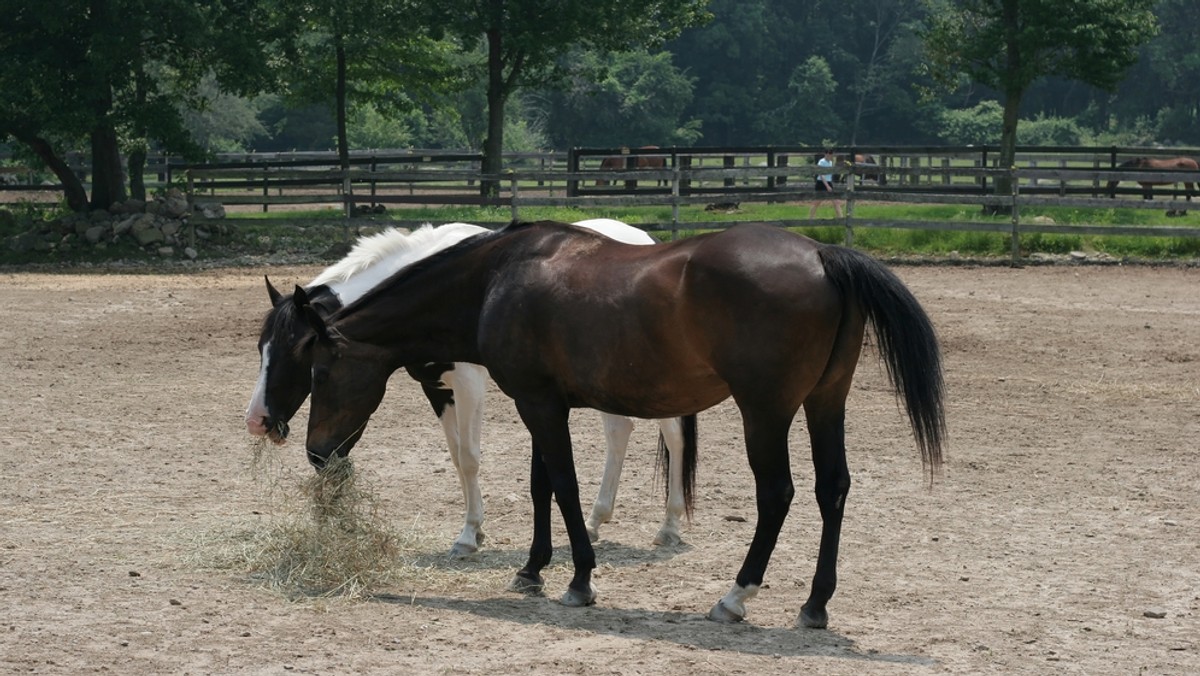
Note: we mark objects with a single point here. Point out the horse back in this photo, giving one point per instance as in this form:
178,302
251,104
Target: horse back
664,330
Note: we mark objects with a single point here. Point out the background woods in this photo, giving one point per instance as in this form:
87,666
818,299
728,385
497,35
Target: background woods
113,79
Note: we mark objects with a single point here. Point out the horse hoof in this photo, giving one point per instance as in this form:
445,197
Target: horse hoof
813,620
461,550
593,534
721,613
573,598
666,538
529,586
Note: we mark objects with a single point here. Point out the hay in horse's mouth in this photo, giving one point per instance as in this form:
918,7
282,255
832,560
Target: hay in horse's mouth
279,432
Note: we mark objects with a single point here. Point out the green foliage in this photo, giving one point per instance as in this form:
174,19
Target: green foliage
1052,131
622,99
978,125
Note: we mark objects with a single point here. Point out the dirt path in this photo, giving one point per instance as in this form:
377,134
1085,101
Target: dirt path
1062,537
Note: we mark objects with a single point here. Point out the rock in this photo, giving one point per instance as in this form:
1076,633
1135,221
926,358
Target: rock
94,233
148,236
175,204
211,209
1078,256
190,253
26,241
171,227
1155,614
143,222
1042,220
125,225
166,251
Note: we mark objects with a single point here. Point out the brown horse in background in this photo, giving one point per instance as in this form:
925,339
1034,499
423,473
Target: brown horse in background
643,162
861,160
1173,163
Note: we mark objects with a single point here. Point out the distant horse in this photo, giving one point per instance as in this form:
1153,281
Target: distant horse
860,160
1173,163
618,163
455,391
563,318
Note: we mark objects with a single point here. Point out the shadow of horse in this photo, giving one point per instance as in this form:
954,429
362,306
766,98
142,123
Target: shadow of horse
682,628
1169,163
613,553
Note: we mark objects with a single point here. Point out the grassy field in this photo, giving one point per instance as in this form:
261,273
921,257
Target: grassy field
321,233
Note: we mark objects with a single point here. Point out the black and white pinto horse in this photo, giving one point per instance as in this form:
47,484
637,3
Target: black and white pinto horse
564,318
455,390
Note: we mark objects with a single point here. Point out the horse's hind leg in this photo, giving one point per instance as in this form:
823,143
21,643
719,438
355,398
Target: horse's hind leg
461,420
672,433
826,418
766,446
616,435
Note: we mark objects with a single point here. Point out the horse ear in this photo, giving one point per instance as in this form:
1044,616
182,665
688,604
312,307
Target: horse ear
300,297
275,295
317,322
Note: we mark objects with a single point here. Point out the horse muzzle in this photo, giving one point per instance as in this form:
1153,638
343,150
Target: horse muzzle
275,430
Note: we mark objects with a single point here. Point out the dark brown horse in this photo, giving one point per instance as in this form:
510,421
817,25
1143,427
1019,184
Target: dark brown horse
618,163
1167,163
565,318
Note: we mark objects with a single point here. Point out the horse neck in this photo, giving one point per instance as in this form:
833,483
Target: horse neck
374,259
429,313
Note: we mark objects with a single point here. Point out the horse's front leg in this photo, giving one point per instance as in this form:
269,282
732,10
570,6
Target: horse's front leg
552,471
616,436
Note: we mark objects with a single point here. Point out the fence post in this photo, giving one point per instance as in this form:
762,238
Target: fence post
675,203
1016,218
850,176
266,189
513,189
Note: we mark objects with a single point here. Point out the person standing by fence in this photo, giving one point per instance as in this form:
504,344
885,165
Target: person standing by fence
824,187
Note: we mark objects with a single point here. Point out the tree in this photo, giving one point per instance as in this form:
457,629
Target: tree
639,100
525,38
100,73
350,54
1008,44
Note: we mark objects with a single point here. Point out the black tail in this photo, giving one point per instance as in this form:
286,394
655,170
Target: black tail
906,341
690,460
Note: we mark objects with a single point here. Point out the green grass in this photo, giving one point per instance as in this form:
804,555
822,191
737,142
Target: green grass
317,231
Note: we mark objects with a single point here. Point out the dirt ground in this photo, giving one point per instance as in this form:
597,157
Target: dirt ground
1061,538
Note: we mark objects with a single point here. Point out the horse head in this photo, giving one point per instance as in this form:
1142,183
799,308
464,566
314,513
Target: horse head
284,370
348,381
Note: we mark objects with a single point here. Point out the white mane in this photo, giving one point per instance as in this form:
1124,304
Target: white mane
376,257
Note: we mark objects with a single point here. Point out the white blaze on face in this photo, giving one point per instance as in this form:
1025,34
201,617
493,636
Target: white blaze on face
256,412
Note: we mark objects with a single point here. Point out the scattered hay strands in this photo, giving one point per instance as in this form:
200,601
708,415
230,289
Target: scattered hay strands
326,534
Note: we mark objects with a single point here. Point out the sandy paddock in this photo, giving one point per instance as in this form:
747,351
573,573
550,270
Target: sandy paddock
1061,537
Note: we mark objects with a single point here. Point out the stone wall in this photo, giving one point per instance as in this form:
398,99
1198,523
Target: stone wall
164,226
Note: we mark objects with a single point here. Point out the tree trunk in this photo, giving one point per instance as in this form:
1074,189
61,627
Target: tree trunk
1013,91
73,191
137,169
343,140
493,143
108,180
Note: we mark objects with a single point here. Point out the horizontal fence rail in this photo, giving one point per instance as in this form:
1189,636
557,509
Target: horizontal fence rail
1084,178
694,183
